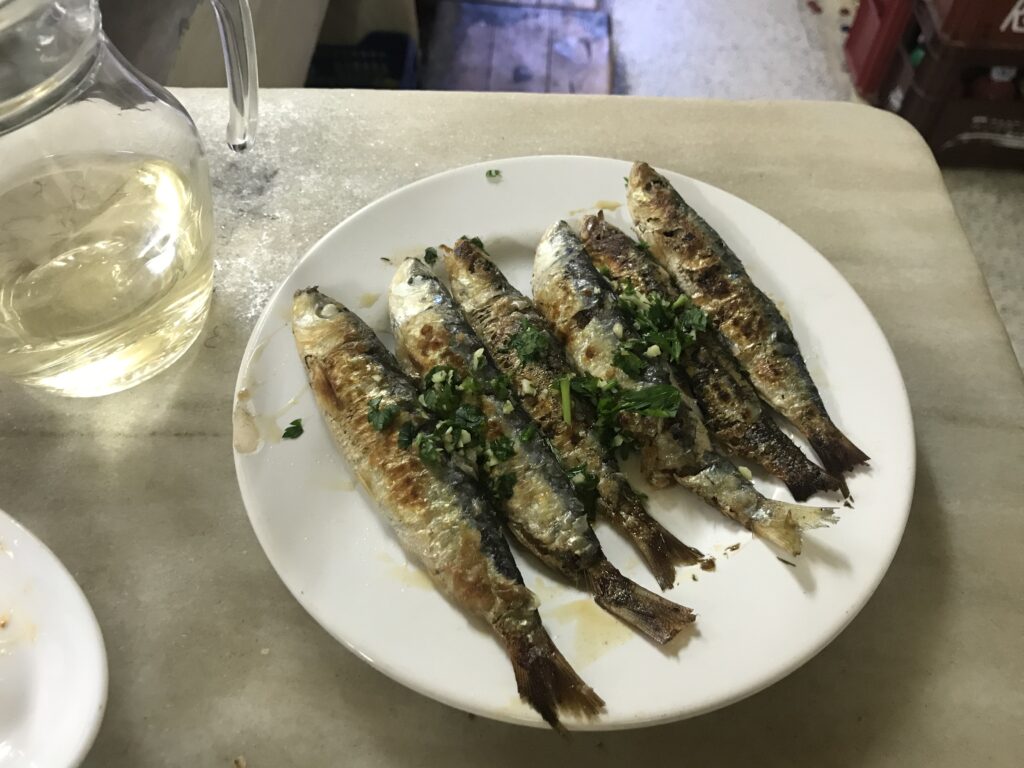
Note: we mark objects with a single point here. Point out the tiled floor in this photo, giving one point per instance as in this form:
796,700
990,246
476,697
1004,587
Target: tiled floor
776,49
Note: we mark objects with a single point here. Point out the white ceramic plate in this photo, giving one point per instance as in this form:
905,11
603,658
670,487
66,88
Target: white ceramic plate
53,669
759,618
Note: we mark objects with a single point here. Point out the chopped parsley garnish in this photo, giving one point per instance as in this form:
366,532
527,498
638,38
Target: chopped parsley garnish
584,482
500,386
494,174
293,430
501,487
469,417
530,342
407,434
502,448
379,417
428,446
526,435
628,361
430,256
658,401
669,327
609,400
440,396
582,478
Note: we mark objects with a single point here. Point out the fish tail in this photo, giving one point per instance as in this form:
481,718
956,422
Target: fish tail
656,617
766,444
659,548
812,479
836,451
783,524
545,679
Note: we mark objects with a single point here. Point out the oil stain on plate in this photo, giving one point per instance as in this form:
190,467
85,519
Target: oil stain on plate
595,632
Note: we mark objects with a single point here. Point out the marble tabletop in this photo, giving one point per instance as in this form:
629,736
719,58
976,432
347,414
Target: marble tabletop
212,660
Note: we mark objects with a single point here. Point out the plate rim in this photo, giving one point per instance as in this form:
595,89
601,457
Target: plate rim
598,724
90,635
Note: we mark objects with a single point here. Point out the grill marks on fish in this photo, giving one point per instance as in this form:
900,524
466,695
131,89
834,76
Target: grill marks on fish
436,511
543,511
707,270
498,313
730,406
673,450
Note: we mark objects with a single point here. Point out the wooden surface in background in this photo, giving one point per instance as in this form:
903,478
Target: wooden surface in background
487,47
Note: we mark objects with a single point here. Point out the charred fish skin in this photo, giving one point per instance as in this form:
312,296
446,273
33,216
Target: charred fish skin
708,271
592,328
525,349
542,510
435,510
730,406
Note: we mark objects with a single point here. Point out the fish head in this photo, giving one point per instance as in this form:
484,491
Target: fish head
596,232
475,280
558,244
319,322
422,315
647,192
414,289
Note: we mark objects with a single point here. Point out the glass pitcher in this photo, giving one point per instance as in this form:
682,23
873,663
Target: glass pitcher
106,269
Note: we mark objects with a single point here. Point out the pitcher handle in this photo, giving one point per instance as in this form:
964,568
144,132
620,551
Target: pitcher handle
234,20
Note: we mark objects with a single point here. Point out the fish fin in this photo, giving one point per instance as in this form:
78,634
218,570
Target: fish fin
656,617
659,548
836,451
782,524
545,679
810,482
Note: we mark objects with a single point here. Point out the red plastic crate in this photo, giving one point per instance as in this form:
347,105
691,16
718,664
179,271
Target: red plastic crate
873,41
980,23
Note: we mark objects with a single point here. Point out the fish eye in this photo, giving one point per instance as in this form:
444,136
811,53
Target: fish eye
329,310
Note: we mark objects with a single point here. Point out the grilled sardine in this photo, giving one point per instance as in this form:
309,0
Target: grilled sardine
730,406
570,292
526,481
707,270
434,509
526,351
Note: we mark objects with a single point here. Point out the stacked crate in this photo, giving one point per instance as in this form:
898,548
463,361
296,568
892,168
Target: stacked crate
958,77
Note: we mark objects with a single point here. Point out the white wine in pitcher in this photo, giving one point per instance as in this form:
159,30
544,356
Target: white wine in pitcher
105,270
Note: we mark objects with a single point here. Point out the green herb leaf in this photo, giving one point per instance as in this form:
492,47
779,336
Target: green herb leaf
530,343
582,478
628,361
430,256
440,391
501,487
527,435
565,390
500,386
659,401
407,434
494,174
672,326
502,448
293,430
470,418
428,446
379,417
